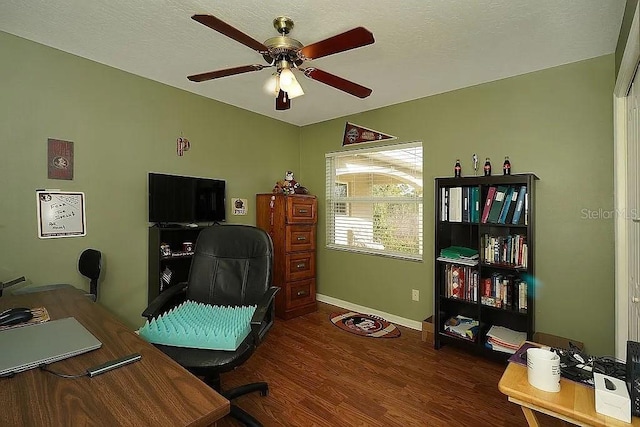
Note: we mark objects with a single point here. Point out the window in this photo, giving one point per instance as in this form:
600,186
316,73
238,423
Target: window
341,190
374,200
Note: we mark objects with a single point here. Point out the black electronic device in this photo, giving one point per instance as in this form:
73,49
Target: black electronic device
633,376
185,199
16,315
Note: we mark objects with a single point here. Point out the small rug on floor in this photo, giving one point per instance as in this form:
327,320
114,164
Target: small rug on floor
365,325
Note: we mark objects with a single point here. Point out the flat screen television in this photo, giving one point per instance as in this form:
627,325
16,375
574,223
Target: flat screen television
179,199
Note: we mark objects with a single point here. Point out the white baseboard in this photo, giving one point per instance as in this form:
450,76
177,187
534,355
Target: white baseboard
408,323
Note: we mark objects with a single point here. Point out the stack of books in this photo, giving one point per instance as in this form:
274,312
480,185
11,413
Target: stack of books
459,255
504,339
462,327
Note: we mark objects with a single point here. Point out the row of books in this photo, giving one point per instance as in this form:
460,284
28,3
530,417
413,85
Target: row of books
499,291
507,292
504,204
511,250
461,282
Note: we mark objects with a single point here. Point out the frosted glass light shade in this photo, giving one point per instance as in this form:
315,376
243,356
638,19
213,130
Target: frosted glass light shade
286,78
272,86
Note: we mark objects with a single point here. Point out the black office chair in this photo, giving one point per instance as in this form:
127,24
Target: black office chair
231,266
89,265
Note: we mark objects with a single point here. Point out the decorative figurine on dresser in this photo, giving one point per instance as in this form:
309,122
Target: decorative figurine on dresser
290,220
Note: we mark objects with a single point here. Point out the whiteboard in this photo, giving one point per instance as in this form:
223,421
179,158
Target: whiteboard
60,214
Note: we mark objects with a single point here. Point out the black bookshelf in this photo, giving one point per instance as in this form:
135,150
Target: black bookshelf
469,231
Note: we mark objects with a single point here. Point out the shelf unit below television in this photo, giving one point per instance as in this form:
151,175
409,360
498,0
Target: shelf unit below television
177,260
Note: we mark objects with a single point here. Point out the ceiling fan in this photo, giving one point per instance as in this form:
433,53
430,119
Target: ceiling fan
287,54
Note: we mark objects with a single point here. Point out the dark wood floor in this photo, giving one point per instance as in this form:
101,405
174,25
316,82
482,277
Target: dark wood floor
320,375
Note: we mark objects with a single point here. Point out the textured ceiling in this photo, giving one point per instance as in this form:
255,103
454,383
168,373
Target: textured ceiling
422,47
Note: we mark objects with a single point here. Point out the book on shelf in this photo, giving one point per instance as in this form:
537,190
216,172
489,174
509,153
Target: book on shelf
462,327
459,255
459,252
466,204
455,204
461,282
517,215
504,339
463,261
487,203
496,206
512,205
444,204
505,207
475,204
509,250
503,291
526,209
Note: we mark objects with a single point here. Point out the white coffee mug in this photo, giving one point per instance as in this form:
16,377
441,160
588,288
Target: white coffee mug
543,369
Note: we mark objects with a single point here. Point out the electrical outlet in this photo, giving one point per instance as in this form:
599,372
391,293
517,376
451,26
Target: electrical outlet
415,295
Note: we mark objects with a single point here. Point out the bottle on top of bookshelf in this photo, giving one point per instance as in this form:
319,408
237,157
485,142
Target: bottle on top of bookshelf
487,167
506,166
484,268
457,169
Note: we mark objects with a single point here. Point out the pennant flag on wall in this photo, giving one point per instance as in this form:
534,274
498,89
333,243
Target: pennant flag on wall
354,134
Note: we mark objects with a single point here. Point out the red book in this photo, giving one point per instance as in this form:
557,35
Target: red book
487,204
457,282
486,289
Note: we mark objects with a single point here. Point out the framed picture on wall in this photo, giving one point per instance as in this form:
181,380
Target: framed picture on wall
59,159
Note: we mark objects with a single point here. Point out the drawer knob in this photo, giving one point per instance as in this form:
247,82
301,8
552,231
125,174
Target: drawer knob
301,293
301,265
301,238
302,211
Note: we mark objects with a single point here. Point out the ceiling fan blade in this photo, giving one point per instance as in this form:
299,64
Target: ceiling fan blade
224,73
337,82
229,31
351,39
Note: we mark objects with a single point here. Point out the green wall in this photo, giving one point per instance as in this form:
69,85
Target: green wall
122,126
556,123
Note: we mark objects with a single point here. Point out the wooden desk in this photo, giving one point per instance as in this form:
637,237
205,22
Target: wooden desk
575,403
155,391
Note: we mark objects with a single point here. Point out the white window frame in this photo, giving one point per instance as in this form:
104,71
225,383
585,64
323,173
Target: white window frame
335,205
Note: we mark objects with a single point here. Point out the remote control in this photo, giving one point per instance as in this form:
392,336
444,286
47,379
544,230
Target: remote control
113,364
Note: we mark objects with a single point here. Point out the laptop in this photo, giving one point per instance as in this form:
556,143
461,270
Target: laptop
30,346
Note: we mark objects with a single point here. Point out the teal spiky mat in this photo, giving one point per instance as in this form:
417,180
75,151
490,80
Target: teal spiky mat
197,325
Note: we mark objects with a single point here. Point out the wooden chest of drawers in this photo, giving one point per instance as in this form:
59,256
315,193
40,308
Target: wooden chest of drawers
291,222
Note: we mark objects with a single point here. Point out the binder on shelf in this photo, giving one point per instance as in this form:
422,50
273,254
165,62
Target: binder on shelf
496,206
455,204
526,209
466,204
505,207
488,202
512,205
444,204
517,215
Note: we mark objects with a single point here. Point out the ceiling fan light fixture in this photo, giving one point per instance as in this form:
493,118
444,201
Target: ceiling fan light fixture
286,78
272,85
294,90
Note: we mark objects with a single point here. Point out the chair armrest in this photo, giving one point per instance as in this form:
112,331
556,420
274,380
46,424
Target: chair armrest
158,305
263,316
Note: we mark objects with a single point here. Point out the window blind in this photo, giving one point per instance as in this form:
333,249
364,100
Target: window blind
374,200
